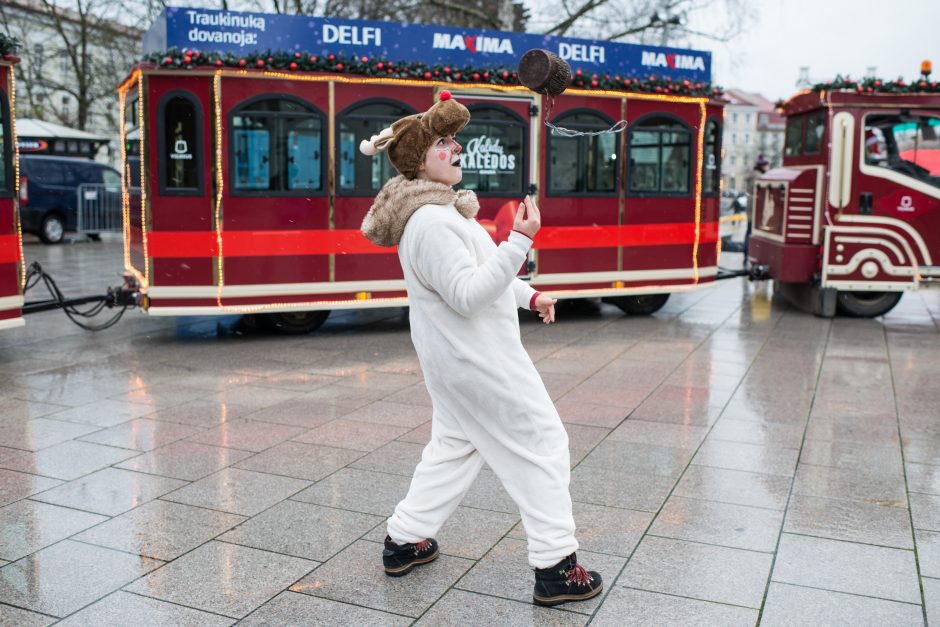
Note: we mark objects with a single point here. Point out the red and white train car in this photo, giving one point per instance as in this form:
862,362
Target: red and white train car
852,219
244,189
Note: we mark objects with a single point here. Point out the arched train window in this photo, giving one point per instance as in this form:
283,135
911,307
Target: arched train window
494,149
711,162
660,156
359,174
585,165
276,145
179,148
6,148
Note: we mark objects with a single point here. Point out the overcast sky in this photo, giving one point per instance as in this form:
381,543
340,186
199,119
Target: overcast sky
831,37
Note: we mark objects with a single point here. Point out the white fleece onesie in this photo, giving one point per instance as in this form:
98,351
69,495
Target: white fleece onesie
489,401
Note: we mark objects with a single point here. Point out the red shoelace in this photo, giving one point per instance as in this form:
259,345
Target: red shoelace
580,576
420,546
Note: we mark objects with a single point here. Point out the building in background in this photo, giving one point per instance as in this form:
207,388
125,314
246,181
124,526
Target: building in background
752,127
69,66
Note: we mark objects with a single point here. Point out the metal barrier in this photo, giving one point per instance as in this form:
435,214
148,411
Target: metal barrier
99,209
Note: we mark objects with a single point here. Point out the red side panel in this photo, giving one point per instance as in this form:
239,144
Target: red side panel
10,251
193,211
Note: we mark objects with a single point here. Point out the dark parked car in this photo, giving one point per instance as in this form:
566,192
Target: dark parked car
49,189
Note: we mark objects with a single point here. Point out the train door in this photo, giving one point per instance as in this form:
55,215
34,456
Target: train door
181,208
274,143
582,182
361,111
498,155
662,218
898,180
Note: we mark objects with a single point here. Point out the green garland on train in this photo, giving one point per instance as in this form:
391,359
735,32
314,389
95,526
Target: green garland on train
8,46
872,85
380,67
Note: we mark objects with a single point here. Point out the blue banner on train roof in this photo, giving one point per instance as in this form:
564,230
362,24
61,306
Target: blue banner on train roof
243,33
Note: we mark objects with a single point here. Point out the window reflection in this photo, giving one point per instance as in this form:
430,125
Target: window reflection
660,156
585,164
277,147
361,174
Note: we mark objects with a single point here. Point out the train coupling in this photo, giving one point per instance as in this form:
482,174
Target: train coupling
758,272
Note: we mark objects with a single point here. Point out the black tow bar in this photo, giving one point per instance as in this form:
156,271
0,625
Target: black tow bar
754,273
124,296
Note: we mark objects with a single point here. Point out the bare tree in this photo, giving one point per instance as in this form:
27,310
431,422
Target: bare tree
72,61
664,22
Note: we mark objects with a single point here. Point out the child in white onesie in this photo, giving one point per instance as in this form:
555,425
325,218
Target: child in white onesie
489,401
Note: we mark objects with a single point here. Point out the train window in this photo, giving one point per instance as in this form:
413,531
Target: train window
585,164
6,153
493,156
815,128
711,173
130,113
907,144
276,146
180,150
359,174
660,156
794,137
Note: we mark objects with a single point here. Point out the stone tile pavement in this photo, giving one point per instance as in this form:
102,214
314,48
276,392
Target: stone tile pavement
735,462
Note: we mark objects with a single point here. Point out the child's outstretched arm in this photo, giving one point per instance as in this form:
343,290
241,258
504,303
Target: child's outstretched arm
445,264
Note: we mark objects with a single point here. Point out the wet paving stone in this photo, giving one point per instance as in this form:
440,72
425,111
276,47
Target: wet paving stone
358,491
847,567
15,617
721,524
238,491
358,436
123,608
698,571
300,461
109,491
636,608
67,576
185,460
29,526
794,605
459,607
850,483
302,530
188,471
223,578
291,608
18,485
160,529
355,576
849,520
734,486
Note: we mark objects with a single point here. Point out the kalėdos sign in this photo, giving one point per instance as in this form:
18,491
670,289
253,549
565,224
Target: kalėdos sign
242,33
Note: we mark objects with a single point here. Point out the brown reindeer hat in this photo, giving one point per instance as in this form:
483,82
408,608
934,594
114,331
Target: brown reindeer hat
408,139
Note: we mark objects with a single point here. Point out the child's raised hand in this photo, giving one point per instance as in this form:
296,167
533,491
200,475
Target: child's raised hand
528,218
545,305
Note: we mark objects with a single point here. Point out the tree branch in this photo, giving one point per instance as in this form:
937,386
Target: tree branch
563,27
467,10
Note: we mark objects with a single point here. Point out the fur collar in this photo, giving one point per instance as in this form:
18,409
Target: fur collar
400,197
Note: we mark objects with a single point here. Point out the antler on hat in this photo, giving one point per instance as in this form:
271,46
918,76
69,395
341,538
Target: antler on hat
408,139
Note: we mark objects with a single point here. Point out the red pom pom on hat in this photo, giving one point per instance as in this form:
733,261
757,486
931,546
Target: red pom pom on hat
445,95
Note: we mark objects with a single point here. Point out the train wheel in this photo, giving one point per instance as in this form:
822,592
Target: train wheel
641,304
866,304
52,229
296,322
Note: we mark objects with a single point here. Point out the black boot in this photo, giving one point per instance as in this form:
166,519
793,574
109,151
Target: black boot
565,581
399,559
